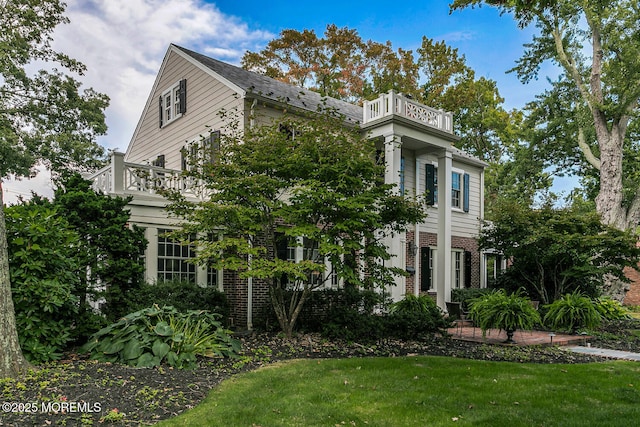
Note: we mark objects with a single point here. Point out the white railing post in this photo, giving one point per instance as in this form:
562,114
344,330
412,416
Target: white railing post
117,172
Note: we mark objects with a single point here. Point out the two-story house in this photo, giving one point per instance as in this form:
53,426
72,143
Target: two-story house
417,141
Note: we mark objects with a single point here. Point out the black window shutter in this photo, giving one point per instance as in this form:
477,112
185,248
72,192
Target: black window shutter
430,187
161,115
465,194
425,269
159,161
213,147
467,269
184,160
282,245
183,96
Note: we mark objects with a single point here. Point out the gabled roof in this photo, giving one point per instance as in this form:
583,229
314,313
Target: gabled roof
263,87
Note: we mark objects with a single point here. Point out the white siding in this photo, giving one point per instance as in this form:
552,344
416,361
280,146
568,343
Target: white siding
463,224
206,96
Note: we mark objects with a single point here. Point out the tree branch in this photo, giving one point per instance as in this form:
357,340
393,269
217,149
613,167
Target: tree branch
586,150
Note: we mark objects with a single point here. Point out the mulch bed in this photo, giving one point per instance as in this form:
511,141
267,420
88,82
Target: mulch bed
81,392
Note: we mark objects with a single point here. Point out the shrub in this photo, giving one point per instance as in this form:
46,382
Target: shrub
571,312
411,318
155,335
499,310
415,317
43,271
611,309
351,315
466,295
182,295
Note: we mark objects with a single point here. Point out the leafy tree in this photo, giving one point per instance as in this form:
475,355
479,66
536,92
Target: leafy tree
340,64
44,118
309,182
110,251
596,45
44,267
557,251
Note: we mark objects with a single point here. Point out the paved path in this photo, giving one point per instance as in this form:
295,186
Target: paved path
605,352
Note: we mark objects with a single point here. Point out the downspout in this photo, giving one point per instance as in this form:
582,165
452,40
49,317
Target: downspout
416,239
252,114
252,123
249,291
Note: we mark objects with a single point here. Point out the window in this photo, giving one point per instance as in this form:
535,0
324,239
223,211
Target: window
201,151
459,187
457,269
173,259
460,268
173,103
427,272
456,190
296,250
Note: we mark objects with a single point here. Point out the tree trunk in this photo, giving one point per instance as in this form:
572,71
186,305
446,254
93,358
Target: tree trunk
11,359
609,202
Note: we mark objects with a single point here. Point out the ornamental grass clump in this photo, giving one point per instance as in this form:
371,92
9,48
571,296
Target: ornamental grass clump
572,312
154,335
498,310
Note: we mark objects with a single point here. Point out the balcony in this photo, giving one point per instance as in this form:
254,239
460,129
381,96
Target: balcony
124,178
392,103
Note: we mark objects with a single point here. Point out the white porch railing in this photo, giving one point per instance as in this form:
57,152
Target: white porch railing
120,177
391,103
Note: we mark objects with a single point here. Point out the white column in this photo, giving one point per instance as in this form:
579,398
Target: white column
443,271
395,244
151,257
392,156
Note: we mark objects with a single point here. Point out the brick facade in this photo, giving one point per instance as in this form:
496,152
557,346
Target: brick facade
633,294
431,240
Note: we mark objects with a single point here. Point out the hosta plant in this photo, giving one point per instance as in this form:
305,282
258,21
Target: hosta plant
156,335
572,312
611,309
508,312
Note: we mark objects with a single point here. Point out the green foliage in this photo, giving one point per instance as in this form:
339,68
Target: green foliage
466,295
499,310
611,309
356,317
556,251
423,391
415,317
111,251
43,273
586,122
322,191
342,65
44,116
351,316
572,312
182,295
156,335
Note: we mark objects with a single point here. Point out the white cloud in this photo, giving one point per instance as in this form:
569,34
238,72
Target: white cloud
123,42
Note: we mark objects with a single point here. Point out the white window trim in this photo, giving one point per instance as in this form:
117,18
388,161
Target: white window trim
174,100
462,172
457,268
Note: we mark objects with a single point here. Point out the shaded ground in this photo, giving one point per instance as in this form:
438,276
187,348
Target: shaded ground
79,392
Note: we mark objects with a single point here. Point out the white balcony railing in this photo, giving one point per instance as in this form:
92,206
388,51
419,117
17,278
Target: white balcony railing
120,177
393,103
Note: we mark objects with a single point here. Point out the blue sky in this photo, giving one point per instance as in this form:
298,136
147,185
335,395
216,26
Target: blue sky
123,42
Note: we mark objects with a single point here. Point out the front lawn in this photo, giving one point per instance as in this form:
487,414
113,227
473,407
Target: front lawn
423,391
129,396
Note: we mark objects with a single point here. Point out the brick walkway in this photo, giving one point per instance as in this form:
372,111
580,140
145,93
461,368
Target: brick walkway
493,336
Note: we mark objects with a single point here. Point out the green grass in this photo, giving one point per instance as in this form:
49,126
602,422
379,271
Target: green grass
423,391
